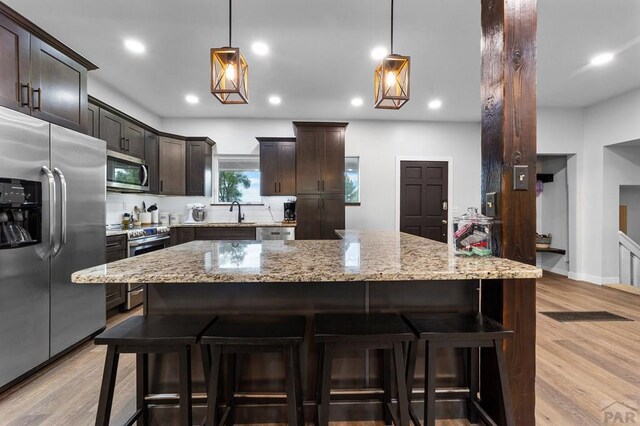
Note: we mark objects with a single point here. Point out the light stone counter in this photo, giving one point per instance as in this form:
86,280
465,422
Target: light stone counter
114,232
234,225
359,256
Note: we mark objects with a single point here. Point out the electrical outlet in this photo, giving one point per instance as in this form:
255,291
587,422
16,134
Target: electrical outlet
521,178
491,208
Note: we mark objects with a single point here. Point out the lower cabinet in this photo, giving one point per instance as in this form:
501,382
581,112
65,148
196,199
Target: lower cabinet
184,234
319,216
116,250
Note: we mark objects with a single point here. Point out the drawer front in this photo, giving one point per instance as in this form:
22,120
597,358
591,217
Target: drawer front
115,255
115,295
244,233
117,243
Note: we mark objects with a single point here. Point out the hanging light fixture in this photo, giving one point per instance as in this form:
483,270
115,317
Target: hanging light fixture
229,73
391,79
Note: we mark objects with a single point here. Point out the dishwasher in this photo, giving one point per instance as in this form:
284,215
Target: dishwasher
276,233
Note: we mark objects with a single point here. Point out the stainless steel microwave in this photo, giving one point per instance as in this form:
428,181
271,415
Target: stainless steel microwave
126,173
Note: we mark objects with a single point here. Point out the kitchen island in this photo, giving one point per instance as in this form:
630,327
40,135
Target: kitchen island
365,271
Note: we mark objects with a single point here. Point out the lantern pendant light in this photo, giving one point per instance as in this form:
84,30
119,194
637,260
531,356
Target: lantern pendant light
391,79
229,73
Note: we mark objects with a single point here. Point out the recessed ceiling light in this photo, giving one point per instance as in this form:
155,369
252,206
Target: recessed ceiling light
191,99
602,59
379,53
275,100
260,48
435,104
134,46
356,102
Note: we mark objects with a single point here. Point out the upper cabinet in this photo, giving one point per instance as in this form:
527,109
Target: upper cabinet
320,157
199,166
134,140
151,158
93,120
39,75
277,166
121,135
171,166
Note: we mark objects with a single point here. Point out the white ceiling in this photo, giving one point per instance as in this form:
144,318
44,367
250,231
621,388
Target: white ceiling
320,52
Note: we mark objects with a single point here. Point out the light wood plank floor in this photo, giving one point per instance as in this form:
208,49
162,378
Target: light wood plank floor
581,367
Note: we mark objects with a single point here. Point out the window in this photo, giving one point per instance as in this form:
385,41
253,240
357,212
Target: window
238,179
352,180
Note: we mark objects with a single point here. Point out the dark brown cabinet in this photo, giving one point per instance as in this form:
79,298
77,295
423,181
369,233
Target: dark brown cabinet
112,130
171,166
151,158
58,87
199,167
14,68
182,235
319,216
134,140
277,166
93,120
319,179
116,250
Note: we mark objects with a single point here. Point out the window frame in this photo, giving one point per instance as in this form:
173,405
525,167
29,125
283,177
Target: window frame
216,178
353,203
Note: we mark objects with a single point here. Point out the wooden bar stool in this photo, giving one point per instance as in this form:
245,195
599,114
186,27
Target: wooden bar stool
468,331
368,331
142,336
241,334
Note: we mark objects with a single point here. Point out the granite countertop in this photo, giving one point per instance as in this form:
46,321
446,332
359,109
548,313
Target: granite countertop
235,225
114,232
359,256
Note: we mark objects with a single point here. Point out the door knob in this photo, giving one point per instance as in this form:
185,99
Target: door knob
444,221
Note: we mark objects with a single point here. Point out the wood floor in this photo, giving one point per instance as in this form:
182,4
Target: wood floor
581,367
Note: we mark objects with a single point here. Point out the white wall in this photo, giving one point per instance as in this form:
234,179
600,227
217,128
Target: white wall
630,197
377,143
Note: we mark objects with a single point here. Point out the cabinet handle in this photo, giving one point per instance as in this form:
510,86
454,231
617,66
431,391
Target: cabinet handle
318,185
23,97
122,146
128,144
33,94
161,186
279,188
275,187
113,245
323,204
323,184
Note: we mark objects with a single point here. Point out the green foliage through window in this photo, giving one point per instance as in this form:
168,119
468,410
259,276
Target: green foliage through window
230,184
352,180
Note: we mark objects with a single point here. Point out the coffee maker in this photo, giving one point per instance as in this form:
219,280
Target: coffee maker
290,211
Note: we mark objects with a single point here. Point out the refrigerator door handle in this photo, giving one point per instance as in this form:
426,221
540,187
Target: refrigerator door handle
63,210
52,207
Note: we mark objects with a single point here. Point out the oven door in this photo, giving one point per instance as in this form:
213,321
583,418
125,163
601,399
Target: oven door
126,173
147,245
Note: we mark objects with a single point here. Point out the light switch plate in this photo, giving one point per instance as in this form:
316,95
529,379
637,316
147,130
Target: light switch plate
521,178
491,209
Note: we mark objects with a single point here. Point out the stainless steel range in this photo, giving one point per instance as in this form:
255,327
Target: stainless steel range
141,241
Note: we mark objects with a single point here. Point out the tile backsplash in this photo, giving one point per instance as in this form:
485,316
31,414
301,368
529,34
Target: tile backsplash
272,209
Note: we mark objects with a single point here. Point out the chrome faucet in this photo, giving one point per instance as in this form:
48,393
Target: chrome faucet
240,215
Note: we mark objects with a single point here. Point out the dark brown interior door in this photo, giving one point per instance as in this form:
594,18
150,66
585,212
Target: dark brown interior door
423,198
14,66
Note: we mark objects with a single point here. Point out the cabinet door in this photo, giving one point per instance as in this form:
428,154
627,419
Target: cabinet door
332,158
224,233
199,164
268,168
308,170
309,217
286,168
151,158
59,87
182,235
14,66
171,166
93,120
112,130
134,140
332,215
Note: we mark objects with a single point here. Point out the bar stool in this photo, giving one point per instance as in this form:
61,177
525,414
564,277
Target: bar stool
241,334
142,336
468,331
384,331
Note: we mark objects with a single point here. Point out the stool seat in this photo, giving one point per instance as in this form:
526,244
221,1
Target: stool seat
255,330
157,330
355,327
456,326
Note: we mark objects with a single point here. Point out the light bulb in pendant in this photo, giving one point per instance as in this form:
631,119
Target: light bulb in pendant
230,72
390,79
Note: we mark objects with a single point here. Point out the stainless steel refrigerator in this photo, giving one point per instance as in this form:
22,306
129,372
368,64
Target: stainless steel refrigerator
41,312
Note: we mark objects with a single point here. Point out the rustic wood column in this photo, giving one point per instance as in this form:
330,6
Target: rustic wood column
508,140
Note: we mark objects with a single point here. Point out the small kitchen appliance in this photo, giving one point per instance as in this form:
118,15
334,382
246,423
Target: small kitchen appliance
196,213
290,211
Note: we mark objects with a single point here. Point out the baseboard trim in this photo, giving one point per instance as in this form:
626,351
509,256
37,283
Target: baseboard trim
593,279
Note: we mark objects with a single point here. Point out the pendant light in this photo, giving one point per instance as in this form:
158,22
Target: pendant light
229,73
391,79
